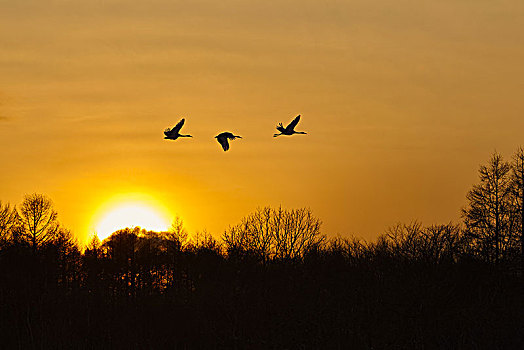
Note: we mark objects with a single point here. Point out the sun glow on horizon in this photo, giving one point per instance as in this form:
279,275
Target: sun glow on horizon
130,212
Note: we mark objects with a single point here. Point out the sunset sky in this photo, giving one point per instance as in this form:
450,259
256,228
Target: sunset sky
402,101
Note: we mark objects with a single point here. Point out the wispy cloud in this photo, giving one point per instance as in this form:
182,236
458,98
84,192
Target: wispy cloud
3,118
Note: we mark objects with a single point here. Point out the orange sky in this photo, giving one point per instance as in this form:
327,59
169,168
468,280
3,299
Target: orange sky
402,100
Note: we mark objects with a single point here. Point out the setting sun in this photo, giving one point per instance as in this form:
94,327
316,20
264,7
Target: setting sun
121,213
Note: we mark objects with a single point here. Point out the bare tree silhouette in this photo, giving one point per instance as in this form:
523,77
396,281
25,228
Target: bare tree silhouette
254,234
8,220
275,233
432,245
518,178
38,220
489,216
177,233
94,243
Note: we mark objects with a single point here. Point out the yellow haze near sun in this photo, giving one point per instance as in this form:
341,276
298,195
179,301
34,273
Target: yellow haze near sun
130,211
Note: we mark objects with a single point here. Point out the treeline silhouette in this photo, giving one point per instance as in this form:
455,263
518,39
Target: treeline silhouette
273,281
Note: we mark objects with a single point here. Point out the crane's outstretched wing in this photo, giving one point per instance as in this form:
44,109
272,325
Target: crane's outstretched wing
294,123
280,127
222,140
177,127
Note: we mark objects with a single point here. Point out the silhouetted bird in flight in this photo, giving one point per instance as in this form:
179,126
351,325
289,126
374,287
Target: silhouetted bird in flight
289,130
223,137
173,133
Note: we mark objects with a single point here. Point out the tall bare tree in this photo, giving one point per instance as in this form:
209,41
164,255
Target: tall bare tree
489,217
518,178
177,234
38,219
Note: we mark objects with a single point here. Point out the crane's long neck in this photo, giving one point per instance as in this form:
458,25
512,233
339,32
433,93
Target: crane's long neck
300,132
185,135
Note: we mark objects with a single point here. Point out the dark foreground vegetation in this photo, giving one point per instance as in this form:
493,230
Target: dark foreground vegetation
271,282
